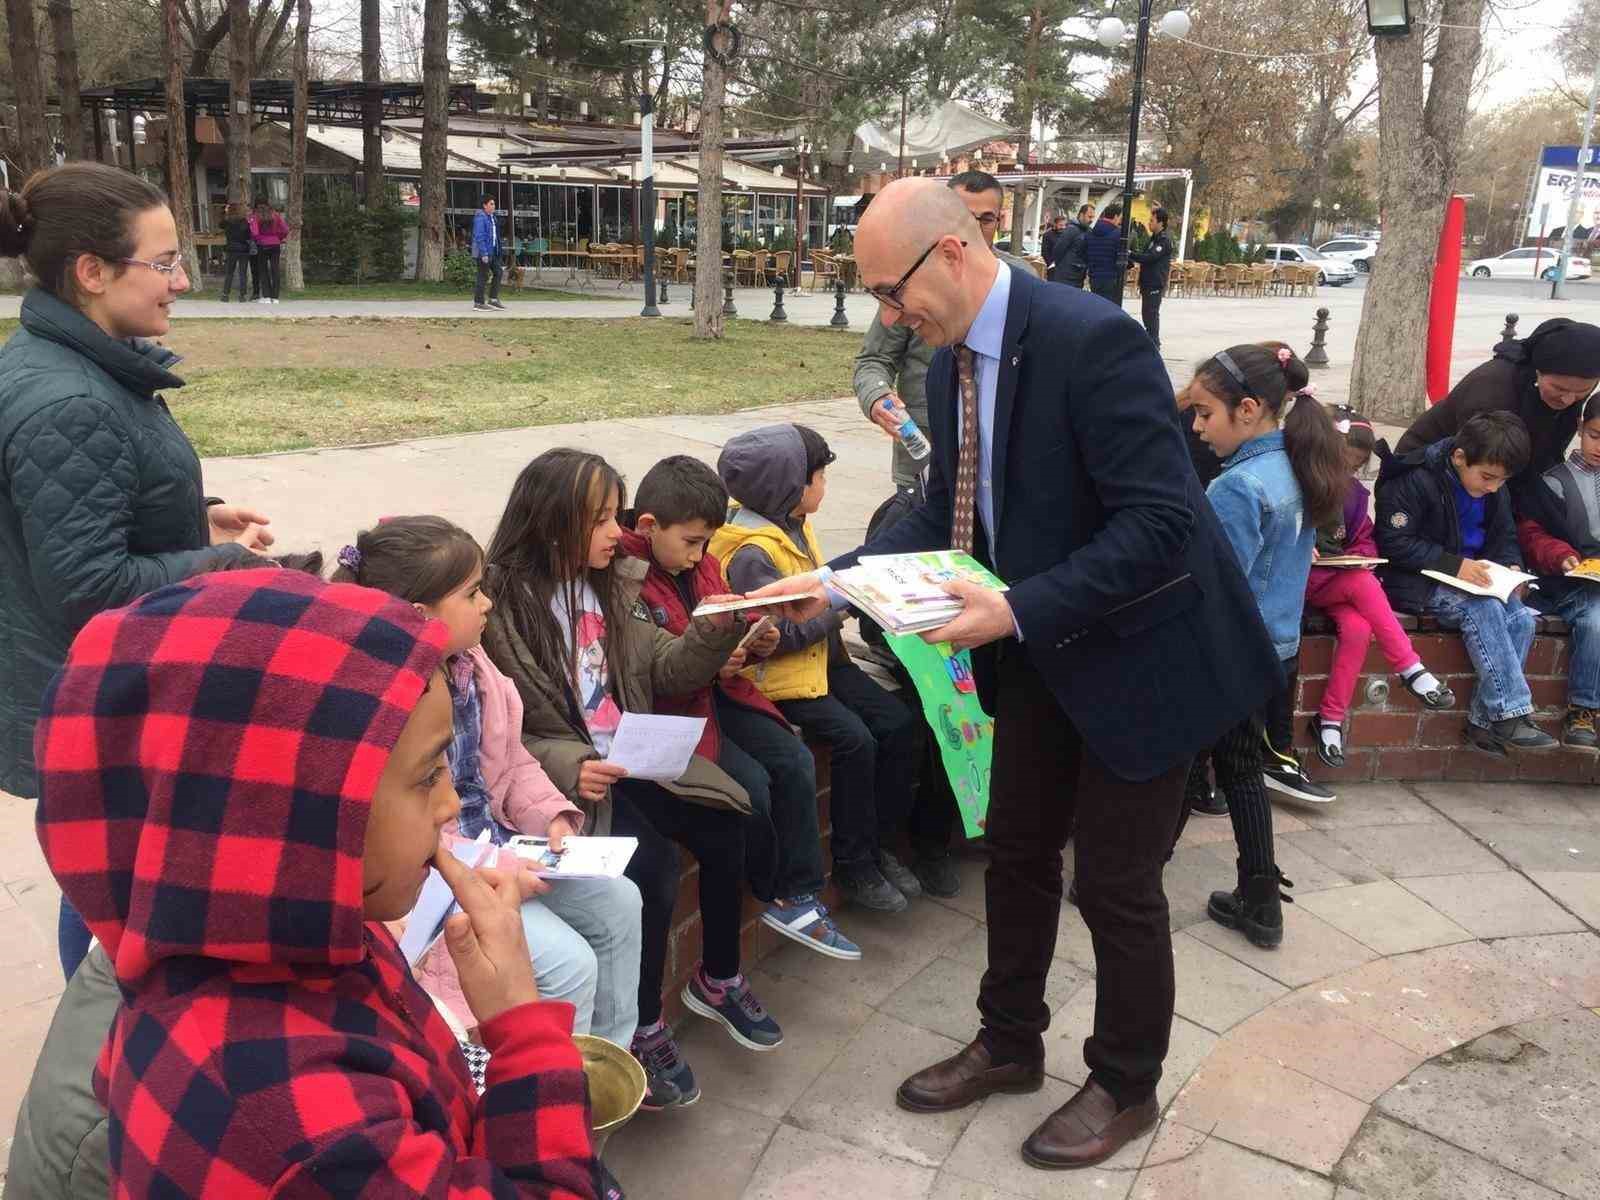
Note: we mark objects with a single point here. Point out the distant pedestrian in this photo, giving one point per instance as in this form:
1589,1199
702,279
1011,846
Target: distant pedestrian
240,247
1047,245
1155,263
1069,260
1102,245
270,231
486,249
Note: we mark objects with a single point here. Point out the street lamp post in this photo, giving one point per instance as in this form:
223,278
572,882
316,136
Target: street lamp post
648,170
1110,34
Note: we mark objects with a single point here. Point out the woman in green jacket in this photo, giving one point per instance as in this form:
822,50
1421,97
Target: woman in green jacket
100,496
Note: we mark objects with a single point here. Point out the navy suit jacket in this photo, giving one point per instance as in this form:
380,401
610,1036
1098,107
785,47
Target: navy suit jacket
1130,601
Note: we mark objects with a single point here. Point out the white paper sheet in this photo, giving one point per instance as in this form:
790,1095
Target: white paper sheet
653,747
436,901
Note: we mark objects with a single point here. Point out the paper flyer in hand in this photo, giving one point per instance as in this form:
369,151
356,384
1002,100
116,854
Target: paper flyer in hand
649,746
905,593
963,731
436,902
578,858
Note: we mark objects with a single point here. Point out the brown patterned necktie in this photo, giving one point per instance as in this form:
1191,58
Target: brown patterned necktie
965,509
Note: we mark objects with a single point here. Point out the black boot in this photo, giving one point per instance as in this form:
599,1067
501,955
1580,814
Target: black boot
1254,908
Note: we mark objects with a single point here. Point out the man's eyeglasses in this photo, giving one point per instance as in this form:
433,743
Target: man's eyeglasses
169,269
890,297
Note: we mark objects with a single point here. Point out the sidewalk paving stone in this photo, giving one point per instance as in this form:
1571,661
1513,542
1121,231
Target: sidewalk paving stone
953,1187
1401,851
1391,1161
1535,847
1473,804
942,997
1384,916
1215,991
1321,848
1311,950
1489,906
1263,1106
1310,873
1578,890
1186,1165
1316,1038
708,1149
1567,962
800,1165
1372,804
1532,1113
853,1099
990,1151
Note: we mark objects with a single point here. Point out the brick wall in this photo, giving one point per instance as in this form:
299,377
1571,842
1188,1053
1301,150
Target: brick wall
1400,739
757,940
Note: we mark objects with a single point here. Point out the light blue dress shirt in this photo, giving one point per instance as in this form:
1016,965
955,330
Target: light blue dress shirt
986,338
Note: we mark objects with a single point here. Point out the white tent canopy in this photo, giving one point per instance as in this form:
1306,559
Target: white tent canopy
950,129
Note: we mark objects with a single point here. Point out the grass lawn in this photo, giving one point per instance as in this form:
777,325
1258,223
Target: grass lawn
257,386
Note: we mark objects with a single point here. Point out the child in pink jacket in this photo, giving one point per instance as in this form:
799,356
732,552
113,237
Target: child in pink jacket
584,935
1355,602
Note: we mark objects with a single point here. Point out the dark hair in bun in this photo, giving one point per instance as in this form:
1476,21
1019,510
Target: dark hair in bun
66,212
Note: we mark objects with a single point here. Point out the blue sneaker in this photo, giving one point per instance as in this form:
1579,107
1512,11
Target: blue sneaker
669,1083
806,920
735,1007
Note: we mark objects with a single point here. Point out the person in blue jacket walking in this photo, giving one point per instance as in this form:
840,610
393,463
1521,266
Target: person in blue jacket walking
486,249
1103,243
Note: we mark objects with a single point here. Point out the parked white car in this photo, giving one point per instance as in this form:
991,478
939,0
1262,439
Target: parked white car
1356,251
1525,263
1332,271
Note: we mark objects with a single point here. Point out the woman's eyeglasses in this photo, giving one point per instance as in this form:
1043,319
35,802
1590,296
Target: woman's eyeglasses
169,269
890,297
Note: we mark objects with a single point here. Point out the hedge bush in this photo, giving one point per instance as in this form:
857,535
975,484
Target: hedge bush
346,242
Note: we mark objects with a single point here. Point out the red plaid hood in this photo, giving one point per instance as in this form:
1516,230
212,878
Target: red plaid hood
207,761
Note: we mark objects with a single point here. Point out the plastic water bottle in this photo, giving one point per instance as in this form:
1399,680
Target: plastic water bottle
912,438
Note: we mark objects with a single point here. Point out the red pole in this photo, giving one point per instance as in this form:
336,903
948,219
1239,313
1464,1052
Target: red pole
1442,299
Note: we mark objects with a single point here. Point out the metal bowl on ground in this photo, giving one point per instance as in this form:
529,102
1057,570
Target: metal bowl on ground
616,1085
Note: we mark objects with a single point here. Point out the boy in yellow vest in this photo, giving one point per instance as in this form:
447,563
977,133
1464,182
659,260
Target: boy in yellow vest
777,476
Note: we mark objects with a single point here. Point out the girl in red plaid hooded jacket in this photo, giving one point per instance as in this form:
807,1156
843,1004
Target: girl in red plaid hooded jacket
241,776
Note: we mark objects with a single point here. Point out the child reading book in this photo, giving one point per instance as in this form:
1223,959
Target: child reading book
1354,600
1560,534
1442,509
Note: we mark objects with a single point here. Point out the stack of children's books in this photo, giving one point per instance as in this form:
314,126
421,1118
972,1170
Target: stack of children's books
904,593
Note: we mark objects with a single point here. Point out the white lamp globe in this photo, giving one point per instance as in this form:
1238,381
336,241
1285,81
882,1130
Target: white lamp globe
1110,32
1175,24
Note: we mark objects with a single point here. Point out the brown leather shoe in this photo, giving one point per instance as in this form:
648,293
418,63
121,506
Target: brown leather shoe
1087,1130
964,1078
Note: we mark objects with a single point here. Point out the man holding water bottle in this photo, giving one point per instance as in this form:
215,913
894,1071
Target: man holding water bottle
893,363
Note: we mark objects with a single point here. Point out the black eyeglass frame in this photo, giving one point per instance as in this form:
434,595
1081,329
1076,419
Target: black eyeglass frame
889,297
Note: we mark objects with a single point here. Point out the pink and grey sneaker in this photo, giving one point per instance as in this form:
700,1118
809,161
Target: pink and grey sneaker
669,1083
732,1004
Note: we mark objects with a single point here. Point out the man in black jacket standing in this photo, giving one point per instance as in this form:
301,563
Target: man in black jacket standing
1070,259
1047,245
1127,641
1155,263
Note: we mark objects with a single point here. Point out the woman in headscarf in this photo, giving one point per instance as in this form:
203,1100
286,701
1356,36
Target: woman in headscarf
1544,379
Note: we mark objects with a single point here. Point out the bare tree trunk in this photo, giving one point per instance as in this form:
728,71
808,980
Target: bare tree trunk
294,272
67,86
1419,143
708,204
1025,103
180,178
31,150
372,101
435,142
239,102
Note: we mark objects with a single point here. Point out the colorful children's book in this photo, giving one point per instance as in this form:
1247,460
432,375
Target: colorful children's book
963,731
904,593
1588,569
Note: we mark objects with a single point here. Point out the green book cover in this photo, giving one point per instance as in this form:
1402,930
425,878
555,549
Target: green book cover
963,731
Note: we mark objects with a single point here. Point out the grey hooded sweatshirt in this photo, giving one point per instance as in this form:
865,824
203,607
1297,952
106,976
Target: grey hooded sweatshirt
765,471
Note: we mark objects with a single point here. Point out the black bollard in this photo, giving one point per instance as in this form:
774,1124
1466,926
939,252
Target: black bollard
1317,356
839,320
777,307
661,290
1508,335
729,309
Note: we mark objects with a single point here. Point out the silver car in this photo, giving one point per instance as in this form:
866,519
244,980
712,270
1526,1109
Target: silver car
1331,271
